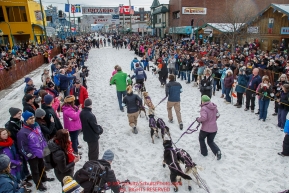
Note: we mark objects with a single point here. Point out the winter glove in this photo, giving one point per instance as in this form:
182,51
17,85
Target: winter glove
181,90
122,104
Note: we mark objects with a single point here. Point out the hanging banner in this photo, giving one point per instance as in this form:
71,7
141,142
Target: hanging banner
75,8
126,10
38,15
97,19
100,10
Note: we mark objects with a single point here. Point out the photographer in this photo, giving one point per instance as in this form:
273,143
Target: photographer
62,154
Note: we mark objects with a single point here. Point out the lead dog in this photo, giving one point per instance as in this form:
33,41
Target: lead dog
153,126
170,159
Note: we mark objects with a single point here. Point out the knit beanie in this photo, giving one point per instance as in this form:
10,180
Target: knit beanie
108,155
205,98
27,79
71,186
87,102
26,115
4,162
48,99
40,113
13,111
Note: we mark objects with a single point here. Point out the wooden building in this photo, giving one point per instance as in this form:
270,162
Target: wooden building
270,27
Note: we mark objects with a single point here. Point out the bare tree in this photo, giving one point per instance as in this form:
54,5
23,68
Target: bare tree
235,25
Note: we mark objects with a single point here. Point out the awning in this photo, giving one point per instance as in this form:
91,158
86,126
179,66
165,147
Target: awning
162,9
36,25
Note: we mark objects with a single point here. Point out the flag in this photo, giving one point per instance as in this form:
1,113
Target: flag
67,6
77,8
72,8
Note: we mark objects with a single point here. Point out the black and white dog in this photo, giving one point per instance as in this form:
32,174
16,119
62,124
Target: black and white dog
162,126
153,126
171,159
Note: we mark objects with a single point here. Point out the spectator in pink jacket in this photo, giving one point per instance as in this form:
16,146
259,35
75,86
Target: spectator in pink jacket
209,115
114,72
72,121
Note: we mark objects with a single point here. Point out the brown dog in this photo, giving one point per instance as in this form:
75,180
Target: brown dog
148,102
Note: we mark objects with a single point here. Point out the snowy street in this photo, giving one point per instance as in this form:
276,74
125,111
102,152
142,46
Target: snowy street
249,147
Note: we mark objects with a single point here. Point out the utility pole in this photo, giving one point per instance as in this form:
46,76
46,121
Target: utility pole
69,17
130,15
44,28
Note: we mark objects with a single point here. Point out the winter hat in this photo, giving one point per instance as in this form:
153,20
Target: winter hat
229,71
27,79
87,102
4,162
40,113
28,97
48,99
70,185
26,115
108,155
13,111
205,98
69,99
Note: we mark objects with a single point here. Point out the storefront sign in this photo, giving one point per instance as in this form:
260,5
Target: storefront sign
253,30
285,30
208,30
181,30
97,19
100,10
194,10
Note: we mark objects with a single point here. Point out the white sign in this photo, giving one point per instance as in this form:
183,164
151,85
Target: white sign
253,29
194,10
38,15
97,19
208,30
100,10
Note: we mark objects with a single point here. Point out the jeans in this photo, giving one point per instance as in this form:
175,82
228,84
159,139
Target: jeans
223,86
282,113
120,95
172,71
227,92
74,140
263,107
189,76
210,141
183,75
214,85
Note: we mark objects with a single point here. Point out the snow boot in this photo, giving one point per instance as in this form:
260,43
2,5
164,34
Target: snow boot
219,155
237,104
171,121
214,93
222,96
181,126
135,130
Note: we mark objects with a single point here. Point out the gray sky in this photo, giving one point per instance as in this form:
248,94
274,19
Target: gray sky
103,3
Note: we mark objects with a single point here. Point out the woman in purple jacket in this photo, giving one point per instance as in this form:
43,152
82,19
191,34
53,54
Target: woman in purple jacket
72,121
209,115
228,83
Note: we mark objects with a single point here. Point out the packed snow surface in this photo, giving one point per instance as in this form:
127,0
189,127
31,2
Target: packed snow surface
249,147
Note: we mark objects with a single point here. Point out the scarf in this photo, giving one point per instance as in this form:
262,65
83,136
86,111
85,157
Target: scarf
6,143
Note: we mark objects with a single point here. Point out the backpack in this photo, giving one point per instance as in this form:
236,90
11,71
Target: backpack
56,80
47,158
90,176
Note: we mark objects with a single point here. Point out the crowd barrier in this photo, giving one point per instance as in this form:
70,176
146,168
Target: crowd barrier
23,68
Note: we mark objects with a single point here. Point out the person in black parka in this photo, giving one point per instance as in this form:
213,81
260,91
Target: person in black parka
206,83
62,155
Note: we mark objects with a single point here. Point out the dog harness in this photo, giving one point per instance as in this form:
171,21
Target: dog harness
173,165
187,159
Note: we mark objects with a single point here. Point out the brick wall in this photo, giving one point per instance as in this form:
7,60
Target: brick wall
215,8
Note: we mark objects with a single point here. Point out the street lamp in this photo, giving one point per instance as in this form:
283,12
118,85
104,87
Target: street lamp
10,32
164,26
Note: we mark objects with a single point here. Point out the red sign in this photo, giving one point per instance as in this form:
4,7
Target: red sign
126,10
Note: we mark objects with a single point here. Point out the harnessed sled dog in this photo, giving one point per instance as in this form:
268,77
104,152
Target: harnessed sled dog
155,125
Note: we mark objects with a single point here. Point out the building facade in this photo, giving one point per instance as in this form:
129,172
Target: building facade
21,22
159,22
197,13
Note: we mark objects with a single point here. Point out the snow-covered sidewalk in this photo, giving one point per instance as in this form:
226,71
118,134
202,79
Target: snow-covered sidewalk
249,147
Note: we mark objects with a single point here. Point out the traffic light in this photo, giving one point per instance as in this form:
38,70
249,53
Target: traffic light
192,22
60,14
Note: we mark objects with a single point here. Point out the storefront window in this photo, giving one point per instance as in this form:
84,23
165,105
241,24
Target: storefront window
1,14
16,14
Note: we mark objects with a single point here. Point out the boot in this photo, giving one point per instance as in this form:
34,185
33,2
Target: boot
222,96
214,93
236,104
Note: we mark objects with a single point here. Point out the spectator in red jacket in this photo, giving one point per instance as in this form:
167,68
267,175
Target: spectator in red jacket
79,92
